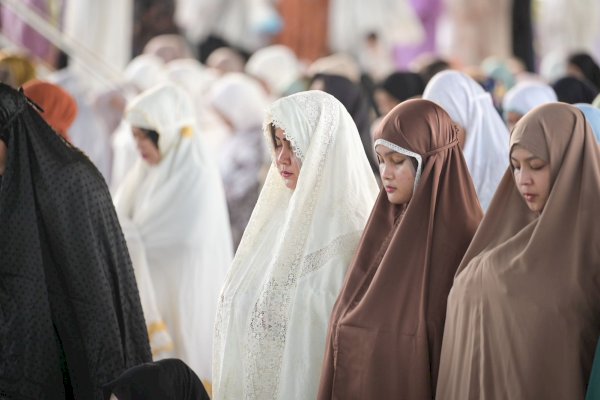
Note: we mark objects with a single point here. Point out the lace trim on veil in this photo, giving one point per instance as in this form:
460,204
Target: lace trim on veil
272,326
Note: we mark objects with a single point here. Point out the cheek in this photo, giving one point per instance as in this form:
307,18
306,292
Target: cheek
406,176
544,182
296,163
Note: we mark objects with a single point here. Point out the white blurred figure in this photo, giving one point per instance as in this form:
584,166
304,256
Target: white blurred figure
278,69
241,103
196,79
566,26
173,197
524,97
105,30
142,73
393,21
486,138
168,47
87,132
243,23
225,60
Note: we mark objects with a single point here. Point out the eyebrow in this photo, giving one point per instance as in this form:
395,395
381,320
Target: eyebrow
388,153
527,159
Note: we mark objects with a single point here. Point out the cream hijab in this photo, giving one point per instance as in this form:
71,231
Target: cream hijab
276,303
523,315
486,145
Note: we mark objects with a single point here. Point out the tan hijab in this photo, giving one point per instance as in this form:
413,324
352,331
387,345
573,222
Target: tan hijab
524,311
385,333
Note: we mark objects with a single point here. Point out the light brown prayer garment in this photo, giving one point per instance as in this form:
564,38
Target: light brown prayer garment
524,311
385,332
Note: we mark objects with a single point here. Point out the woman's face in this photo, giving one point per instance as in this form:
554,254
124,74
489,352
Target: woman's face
397,174
287,162
146,147
532,177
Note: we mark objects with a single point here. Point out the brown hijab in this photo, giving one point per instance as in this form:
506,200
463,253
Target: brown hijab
385,332
524,311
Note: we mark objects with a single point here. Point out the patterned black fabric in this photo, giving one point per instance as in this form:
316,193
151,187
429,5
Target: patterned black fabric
68,296
169,379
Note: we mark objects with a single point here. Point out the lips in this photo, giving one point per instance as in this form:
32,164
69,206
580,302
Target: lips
529,197
286,174
390,189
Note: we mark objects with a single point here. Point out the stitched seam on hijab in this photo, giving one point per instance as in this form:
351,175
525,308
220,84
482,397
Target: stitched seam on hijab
406,152
442,148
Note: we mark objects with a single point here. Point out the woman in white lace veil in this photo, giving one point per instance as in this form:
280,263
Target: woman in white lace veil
174,212
486,143
274,308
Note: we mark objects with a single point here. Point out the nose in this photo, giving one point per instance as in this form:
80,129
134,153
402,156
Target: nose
524,177
386,171
285,155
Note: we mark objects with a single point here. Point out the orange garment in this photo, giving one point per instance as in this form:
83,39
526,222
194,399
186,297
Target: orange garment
59,107
305,27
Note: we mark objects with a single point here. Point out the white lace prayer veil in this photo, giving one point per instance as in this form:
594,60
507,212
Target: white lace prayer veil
275,306
486,144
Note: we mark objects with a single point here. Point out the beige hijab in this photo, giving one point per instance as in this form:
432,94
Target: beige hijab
385,333
523,315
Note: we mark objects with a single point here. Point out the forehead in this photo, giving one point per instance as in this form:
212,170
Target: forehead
521,153
387,152
139,133
279,133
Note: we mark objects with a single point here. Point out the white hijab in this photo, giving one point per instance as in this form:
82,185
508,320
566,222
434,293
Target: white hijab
275,306
526,96
350,21
240,99
243,102
486,144
142,73
179,210
277,66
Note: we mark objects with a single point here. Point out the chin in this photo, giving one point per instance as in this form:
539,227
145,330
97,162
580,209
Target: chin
395,200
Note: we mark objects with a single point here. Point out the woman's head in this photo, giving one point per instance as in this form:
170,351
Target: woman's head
396,88
538,144
524,97
168,111
286,160
239,100
301,128
405,139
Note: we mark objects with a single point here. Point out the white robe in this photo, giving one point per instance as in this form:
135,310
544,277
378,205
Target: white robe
274,309
178,208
